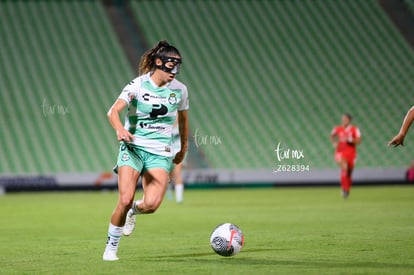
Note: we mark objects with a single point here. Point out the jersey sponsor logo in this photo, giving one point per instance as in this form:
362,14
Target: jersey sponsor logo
147,97
144,125
158,110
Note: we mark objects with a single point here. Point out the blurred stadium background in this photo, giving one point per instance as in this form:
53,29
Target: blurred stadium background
262,75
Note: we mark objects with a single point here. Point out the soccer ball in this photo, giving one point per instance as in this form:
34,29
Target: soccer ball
227,239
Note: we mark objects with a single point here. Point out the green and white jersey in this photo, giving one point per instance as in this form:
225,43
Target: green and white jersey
152,111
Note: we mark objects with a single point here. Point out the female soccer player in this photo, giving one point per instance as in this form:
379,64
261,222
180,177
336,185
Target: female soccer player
153,100
399,138
345,138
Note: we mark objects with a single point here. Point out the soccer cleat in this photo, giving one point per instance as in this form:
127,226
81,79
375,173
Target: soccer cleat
129,223
110,255
345,194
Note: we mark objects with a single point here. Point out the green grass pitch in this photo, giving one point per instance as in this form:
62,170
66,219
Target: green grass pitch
287,231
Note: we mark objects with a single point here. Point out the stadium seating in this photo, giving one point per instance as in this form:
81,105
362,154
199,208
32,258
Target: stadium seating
62,67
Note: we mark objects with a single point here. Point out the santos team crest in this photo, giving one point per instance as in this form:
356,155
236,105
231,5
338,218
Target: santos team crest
125,157
172,99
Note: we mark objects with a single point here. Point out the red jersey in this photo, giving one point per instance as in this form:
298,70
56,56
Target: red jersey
346,138
410,174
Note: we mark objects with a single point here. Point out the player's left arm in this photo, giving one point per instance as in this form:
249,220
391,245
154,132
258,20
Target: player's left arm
357,140
357,137
183,129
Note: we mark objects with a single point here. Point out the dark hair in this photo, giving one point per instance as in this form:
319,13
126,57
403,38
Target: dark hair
348,115
162,48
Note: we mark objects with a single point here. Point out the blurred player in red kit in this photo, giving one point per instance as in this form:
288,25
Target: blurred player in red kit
345,138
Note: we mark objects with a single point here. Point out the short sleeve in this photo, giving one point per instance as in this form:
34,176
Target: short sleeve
184,102
129,92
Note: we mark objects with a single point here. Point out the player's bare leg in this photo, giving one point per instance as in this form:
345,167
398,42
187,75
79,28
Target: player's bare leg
127,181
154,183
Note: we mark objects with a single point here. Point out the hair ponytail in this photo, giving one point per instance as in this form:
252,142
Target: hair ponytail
147,62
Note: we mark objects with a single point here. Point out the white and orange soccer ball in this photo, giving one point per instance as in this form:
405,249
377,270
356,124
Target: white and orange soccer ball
227,239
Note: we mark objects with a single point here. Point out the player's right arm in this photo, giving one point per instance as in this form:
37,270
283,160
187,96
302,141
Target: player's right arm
114,120
399,138
333,137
